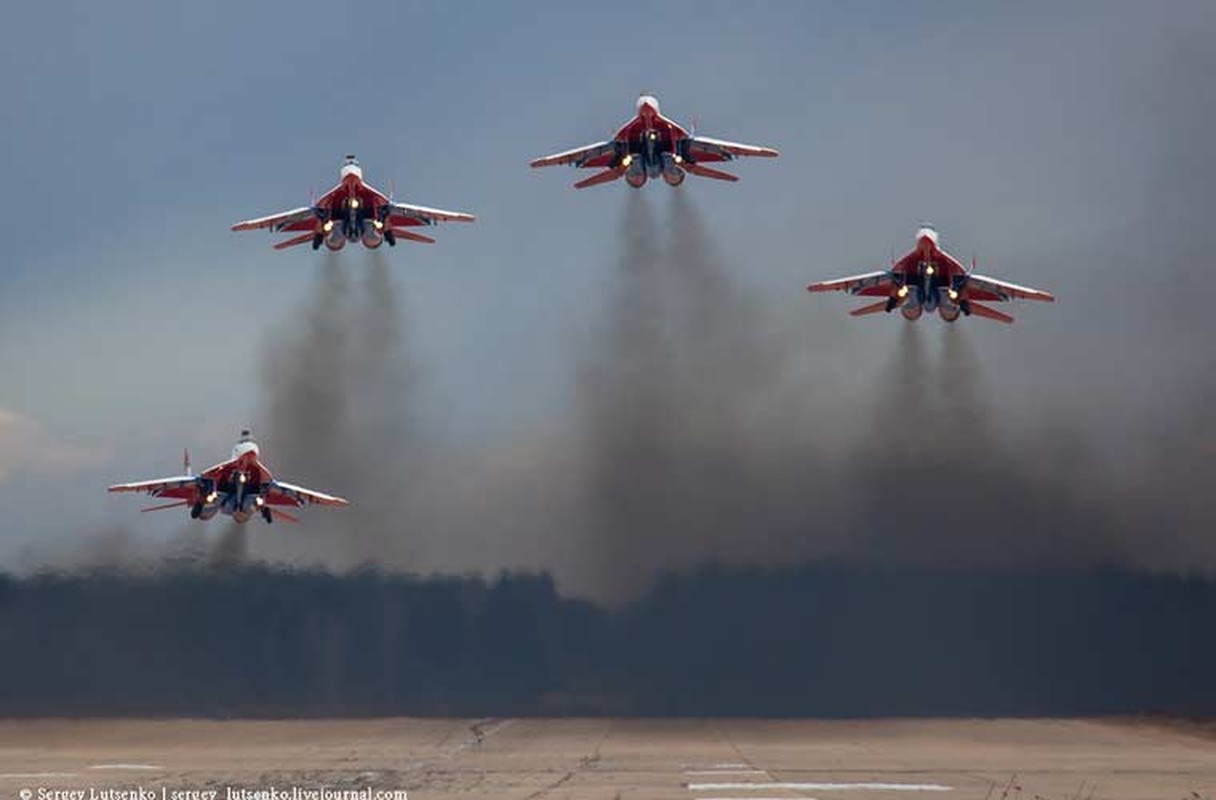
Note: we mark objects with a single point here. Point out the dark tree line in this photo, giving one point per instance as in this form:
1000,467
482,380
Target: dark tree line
821,640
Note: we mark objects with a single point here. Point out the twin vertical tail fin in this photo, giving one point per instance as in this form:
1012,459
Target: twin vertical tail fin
186,462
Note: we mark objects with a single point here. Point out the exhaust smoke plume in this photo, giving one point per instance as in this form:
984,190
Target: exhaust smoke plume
703,429
339,417
700,447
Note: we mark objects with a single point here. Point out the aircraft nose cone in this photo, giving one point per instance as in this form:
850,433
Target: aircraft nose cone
648,105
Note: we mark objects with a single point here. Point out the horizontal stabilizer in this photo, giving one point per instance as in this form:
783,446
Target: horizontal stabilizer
413,237
600,177
166,505
709,172
873,308
982,310
295,240
283,515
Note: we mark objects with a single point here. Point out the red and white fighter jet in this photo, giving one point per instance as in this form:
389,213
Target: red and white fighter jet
928,278
649,146
239,487
353,211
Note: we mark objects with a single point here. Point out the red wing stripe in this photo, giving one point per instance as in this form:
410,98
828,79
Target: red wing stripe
413,237
873,308
600,177
709,172
301,239
990,313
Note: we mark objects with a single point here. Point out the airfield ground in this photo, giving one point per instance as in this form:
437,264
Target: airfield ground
530,759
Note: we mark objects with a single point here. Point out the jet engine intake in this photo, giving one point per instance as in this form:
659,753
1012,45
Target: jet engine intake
372,237
672,172
635,174
911,311
335,240
948,307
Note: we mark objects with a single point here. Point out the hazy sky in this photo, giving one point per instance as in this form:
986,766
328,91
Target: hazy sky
1040,136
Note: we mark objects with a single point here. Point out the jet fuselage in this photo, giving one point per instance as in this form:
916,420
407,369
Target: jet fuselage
238,491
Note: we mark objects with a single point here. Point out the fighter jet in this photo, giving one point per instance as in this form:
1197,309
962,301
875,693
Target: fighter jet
353,211
650,145
928,278
239,487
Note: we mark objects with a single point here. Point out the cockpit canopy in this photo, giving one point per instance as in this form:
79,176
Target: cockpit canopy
648,100
351,167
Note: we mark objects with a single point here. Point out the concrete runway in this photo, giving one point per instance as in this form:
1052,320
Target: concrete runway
529,759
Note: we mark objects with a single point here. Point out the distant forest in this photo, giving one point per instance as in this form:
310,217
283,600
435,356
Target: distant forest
816,640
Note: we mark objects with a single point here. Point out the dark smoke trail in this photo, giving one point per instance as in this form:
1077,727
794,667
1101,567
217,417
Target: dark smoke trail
307,374
903,398
385,434
733,363
627,403
339,416
701,448
681,395
947,491
734,401
307,419
231,549
967,409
